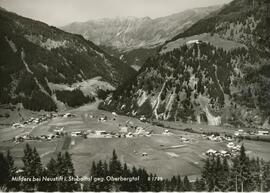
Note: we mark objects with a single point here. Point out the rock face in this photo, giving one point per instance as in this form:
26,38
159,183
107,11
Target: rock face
35,56
130,33
217,71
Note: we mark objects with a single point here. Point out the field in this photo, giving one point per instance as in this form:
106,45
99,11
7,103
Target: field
166,155
205,37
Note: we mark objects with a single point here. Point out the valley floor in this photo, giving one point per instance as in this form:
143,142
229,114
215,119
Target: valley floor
165,153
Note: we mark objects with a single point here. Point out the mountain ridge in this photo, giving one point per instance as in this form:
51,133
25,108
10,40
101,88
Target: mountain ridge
36,54
131,32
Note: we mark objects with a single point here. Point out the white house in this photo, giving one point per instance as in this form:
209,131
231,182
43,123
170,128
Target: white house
144,154
129,135
123,129
98,132
68,115
193,42
230,145
59,130
142,118
263,132
75,133
211,151
17,125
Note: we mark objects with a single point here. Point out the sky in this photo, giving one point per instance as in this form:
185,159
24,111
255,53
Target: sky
62,12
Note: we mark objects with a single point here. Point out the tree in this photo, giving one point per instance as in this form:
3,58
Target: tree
115,170
93,173
12,185
225,181
179,184
199,185
32,168
243,169
186,184
144,182
100,174
135,185
106,184
156,185
173,184
51,172
207,174
65,168
218,174
115,166
4,171
126,173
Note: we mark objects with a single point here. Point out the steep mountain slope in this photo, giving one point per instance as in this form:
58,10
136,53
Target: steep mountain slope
40,64
131,32
217,72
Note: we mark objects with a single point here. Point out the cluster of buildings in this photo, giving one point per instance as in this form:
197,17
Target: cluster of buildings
217,138
232,151
184,139
167,132
241,132
40,119
126,131
123,132
26,137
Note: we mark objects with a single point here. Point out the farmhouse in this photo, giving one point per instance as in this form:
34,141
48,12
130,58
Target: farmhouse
129,135
58,131
166,132
142,118
141,131
76,133
50,136
263,132
100,132
193,42
123,129
211,152
66,115
144,154
103,119
230,145
17,125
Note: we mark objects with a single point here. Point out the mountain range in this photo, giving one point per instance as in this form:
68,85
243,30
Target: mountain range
216,71
131,32
133,39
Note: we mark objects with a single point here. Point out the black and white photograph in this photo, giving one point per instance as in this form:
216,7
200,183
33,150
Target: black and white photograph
134,95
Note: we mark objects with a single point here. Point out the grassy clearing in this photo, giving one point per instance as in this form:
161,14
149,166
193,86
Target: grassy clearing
205,37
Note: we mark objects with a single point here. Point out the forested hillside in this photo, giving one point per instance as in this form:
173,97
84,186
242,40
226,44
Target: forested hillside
200,80
35,57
